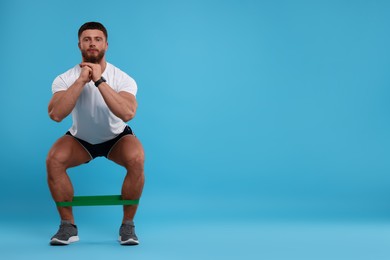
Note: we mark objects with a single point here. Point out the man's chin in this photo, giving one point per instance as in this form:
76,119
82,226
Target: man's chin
92,59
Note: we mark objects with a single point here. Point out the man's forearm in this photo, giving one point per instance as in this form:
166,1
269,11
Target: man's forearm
63,102
123,105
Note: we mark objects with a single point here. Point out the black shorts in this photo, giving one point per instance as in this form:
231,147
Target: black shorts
102,149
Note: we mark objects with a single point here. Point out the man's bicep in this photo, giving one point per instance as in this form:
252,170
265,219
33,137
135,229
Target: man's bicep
56,96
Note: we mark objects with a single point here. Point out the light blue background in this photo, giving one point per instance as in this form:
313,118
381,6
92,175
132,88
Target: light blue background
249,112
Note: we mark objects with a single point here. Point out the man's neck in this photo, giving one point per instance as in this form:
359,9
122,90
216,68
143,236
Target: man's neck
103,64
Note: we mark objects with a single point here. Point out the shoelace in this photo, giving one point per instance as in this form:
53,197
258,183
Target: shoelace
64,229
128,229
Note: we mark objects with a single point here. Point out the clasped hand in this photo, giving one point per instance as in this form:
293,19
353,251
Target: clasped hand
90,71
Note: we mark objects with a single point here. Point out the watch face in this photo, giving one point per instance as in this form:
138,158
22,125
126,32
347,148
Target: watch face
97,83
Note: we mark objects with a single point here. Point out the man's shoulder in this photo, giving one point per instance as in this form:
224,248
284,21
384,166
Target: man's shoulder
120,80
116,72
71,74
64,80
111,68
72,71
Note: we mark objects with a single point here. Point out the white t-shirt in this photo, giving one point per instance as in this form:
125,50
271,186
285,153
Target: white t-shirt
92,119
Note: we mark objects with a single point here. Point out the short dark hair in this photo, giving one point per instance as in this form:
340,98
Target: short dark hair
93,26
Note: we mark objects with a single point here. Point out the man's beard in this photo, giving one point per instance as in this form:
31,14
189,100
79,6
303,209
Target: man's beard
92,58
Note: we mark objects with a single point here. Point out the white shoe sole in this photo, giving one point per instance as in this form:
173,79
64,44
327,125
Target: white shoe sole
56,241
129,242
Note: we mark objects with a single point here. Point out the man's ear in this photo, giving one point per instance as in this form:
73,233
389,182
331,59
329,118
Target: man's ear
79,45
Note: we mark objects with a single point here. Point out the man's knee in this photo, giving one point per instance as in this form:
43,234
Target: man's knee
135,159
66,153
56,158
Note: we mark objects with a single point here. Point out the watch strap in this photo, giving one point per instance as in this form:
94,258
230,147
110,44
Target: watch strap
101,80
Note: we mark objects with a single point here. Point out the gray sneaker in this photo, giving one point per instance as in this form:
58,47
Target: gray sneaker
66,234
127,234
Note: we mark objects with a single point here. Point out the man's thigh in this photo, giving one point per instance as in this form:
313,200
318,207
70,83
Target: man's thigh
126,149
69,152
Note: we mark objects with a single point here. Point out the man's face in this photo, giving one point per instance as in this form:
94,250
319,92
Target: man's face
93,45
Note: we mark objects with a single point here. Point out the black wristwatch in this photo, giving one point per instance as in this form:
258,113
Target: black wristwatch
101,80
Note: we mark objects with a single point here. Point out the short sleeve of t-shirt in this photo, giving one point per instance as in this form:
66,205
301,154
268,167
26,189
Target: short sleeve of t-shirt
65,80
59,84
125,83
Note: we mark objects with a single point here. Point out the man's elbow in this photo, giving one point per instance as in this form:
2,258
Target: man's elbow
128,116
55,117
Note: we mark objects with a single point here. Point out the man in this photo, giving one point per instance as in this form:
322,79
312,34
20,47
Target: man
101,99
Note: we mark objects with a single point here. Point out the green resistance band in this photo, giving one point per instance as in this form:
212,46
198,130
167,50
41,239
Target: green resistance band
97,201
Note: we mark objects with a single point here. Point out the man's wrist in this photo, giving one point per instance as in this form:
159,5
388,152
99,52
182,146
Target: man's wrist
81,81
99,81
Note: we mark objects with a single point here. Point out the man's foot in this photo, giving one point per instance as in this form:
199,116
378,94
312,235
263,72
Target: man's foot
66,234
127,234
